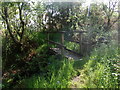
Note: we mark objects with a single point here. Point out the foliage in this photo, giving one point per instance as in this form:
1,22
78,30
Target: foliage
59,75
33,61
26,56
72,46
99,71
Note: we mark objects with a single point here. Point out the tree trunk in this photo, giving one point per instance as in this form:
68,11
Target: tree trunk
21,20
5,17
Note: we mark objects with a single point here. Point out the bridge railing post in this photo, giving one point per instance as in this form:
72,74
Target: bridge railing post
80,43
62,42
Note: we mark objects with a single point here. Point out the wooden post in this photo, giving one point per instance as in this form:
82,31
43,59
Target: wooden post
119,27
87,48
62,42
80,43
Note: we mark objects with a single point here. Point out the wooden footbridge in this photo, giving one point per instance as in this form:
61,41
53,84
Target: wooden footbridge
63,50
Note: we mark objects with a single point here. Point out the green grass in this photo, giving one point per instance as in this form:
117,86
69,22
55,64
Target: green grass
58,76
98,71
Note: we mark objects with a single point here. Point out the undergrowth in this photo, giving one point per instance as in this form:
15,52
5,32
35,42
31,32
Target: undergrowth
58,76
99,71
72,46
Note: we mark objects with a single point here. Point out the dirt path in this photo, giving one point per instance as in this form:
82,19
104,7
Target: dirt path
75,82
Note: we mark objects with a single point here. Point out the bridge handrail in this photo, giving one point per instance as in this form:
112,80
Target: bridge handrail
75,31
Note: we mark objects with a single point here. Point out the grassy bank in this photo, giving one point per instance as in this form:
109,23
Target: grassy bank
100,70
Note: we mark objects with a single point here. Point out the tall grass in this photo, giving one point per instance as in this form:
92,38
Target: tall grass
98,72
59,75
